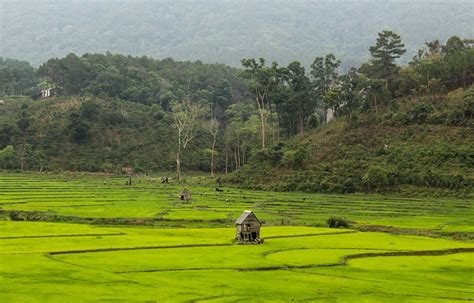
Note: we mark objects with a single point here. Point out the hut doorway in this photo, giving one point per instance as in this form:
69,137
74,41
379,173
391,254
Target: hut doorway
185,195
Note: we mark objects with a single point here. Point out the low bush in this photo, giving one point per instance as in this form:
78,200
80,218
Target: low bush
337,222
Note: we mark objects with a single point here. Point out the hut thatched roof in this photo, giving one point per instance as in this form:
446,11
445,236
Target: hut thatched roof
246,214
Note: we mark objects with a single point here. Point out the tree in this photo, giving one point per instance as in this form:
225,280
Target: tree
387,49
427,67
213,128
5,78
372,91
25,153
186,117
299,83
453,45
8,132
16,77
53,71
109,83
23,122
78,129
434,48
324,74
261,78
408,82
333,98
76,76
7,155
459,63
40,158
281,96
348,87
241,132
221,97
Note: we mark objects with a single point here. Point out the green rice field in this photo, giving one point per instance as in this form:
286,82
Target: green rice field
76,238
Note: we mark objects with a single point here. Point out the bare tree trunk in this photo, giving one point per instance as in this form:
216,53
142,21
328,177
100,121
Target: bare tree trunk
212,157
278,126
226,158
214,127
262,117
178,166
238,155
212,162
178,158
261,110
272,122
235,159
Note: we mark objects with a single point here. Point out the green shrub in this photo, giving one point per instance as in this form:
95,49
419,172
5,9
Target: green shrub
455,118
337,222
469,103
438,118
379,177
420,112
294,158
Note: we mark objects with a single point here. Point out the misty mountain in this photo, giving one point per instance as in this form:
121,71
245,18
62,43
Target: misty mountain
224,31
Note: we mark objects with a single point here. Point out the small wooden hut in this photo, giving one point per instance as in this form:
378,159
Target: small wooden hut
128,169
185,195
248,228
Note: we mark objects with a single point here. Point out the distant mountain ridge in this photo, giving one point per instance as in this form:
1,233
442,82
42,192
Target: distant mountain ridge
224,31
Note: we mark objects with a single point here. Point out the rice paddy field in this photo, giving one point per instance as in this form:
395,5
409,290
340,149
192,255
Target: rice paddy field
75,238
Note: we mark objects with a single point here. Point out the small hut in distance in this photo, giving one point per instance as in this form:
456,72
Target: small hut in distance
128,169
248,228
185,195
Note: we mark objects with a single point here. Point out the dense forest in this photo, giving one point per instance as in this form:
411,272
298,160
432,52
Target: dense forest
213,31
265,121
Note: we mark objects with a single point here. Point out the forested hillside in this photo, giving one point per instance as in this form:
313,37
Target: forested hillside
395,126
418,145
112,110
224,31
84,134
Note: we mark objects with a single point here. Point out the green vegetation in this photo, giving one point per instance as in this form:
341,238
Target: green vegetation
412,148
141,243
16,77
213,31
107,200
396,128
113,110
360,170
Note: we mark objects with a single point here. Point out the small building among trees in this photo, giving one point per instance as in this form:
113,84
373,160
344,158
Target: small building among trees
248,228
128,169
185,195
46,93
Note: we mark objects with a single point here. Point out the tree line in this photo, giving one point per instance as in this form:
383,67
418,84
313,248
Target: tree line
292,100
237,111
